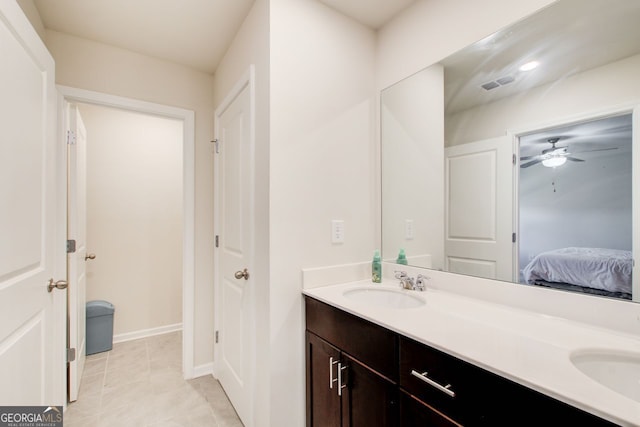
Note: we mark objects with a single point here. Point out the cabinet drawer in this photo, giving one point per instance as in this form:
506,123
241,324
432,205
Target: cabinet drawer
373,345
478,397
449,385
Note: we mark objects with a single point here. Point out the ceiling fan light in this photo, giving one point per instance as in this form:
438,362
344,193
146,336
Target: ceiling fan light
554,162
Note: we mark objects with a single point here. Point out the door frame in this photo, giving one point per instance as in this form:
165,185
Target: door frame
74,95
631,107
247,80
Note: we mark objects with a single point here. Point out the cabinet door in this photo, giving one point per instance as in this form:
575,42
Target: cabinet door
323,402
370,400
414,413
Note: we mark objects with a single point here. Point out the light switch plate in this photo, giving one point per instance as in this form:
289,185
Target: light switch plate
408,229
337,231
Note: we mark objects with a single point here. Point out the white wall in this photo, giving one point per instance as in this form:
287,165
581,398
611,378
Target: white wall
251,46
412,130
323,167
134,216
85,64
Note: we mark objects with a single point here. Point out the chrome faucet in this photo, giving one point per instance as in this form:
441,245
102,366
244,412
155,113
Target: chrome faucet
408,282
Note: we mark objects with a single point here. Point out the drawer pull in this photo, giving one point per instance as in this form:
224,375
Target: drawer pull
445,389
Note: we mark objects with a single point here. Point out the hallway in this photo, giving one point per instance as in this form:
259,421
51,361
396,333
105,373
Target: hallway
139,384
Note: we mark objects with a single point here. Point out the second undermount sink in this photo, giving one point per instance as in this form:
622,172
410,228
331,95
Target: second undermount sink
385,297
618,371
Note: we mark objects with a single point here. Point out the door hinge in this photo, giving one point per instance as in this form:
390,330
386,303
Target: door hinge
71,137
513,238
71,246
514,159
217,336
216,144
217,241
71,354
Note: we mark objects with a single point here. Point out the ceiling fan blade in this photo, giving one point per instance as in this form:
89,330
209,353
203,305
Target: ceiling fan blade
531,163
573,159
529,157
597,149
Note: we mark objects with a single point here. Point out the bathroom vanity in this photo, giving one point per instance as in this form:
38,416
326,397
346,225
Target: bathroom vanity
380,356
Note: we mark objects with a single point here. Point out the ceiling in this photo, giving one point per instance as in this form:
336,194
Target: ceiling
195,33
567,37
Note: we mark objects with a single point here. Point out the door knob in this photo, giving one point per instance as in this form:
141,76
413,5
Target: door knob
242,274
89,256
60,284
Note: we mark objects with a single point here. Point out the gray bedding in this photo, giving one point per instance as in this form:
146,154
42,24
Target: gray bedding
597,268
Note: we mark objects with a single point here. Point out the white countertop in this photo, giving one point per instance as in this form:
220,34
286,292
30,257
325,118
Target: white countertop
529,348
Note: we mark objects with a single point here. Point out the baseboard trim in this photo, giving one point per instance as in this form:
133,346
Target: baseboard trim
202,370
145,333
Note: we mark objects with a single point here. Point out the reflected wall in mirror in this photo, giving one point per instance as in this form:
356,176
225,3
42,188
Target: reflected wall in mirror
516,173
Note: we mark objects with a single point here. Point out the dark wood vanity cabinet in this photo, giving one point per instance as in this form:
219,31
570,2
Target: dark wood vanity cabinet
354,385
361,374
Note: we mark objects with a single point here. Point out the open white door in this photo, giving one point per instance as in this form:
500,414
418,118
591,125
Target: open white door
479,209
31,342
234,294
76,233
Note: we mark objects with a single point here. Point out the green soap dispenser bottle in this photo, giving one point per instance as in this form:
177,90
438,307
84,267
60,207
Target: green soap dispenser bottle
402,258
376,268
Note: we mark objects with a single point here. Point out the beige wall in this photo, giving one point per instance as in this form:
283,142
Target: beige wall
85,64
134,216
323,167
411,120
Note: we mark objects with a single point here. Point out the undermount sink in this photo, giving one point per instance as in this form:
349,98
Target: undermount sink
385,297
618,371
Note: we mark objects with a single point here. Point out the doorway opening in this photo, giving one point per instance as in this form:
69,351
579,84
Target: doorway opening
168,187
575,206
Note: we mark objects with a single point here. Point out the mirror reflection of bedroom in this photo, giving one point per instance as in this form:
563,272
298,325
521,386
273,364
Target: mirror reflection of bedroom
575,207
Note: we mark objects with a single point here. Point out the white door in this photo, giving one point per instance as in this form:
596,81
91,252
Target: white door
31,342
77,232
234,306
479,209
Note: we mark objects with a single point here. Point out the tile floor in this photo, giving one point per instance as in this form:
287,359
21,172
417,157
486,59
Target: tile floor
139,384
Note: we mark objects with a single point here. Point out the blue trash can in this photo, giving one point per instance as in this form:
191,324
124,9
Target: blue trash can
99,326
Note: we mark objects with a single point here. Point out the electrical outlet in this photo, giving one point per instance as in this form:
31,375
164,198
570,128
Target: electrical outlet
408,229
337,231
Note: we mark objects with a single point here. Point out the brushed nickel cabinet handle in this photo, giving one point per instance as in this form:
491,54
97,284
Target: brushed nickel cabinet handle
446,389
340,383
332,380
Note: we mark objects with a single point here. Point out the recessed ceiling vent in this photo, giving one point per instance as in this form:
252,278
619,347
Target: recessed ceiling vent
502,81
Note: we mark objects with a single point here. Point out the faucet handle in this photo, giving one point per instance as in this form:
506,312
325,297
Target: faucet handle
421,282
400,274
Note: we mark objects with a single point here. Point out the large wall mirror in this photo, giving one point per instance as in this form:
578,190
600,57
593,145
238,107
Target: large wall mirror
512,159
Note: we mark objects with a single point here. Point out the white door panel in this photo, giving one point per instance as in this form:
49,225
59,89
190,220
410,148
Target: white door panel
235,306
29,354
76,262
479,213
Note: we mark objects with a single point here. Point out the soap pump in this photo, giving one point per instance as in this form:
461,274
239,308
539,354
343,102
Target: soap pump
402,258
376,268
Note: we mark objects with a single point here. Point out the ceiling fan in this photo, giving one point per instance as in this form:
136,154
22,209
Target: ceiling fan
555,156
